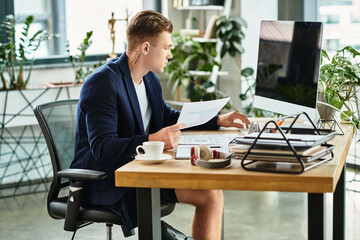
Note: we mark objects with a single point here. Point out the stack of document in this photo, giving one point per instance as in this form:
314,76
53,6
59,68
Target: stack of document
277,139
273,147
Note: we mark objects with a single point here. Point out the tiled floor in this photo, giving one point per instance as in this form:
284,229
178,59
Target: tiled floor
248,215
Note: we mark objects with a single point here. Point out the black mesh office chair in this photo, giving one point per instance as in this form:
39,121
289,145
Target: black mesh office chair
58,123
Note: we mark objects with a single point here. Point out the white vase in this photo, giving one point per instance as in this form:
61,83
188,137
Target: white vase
326,113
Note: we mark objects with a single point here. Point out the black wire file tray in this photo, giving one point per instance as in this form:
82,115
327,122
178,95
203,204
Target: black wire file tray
283,150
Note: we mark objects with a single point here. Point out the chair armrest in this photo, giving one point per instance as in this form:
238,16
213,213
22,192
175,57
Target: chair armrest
77,178
82,174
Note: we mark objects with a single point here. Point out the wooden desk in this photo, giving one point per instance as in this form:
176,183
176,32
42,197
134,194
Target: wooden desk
326,178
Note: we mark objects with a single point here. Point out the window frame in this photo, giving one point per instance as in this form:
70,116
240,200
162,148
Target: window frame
7,7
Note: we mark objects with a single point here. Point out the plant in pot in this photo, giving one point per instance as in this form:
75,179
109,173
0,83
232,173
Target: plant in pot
339,81
229,31
188,56
81,71
77,60
17,56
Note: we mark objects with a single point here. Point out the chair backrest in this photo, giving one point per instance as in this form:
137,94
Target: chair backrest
57,121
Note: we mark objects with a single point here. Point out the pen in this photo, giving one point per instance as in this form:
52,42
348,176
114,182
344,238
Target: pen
215,146
278,122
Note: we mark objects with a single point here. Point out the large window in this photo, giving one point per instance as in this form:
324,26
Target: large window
71,19
341,20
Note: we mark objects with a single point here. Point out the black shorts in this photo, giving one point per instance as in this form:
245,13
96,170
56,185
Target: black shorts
126,206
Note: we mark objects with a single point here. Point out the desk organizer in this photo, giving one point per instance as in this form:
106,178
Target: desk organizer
329,121
262,157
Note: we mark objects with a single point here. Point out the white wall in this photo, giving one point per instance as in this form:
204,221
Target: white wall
41,75
253,12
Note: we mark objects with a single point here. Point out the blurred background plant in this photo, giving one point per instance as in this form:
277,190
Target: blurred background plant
77,60
339,81
190,56
15,55
229,31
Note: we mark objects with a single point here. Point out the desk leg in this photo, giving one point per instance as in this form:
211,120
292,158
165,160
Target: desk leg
148,213
339,208
316,216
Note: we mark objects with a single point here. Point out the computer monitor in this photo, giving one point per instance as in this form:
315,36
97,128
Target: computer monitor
288,67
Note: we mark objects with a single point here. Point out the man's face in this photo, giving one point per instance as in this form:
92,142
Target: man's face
160,53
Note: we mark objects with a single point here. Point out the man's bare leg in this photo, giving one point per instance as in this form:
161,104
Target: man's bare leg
208,213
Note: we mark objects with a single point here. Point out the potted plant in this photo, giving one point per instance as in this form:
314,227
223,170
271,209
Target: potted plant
339,80
190,55
81,72
229,31
77,61
14,56
186,52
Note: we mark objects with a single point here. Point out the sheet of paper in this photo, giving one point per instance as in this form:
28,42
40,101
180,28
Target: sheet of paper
218,139
184,151
217,142
197,113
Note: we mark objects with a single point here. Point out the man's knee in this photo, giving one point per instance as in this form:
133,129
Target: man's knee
213,198
216,197
200,198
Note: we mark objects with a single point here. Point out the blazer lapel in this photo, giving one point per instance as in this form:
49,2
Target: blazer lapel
156,123
134,102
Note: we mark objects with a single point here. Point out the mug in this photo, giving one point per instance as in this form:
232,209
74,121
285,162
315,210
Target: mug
152,149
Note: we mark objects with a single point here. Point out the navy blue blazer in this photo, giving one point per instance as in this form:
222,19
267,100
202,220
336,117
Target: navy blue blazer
109,125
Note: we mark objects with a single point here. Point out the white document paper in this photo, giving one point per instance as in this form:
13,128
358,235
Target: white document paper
197,113
218,142
184,151
215,139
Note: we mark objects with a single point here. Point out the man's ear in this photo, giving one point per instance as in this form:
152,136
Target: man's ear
145,48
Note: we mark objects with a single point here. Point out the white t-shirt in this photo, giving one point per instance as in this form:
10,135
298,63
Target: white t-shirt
145,107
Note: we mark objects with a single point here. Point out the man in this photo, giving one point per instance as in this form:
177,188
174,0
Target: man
120,107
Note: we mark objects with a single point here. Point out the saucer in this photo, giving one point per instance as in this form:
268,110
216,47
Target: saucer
163,158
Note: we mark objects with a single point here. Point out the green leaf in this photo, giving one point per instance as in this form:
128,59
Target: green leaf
238,47
241,21
351,50
175,86
247,72
195,94
186,63
228,26
232,51
223,50
29,19
332,98
324,55
349,113
208,84
243,96
185,82
220,21
173,75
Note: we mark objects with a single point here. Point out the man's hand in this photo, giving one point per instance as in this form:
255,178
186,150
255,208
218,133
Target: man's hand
169,135
228,120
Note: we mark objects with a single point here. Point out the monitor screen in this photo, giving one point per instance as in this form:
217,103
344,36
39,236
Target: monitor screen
288,67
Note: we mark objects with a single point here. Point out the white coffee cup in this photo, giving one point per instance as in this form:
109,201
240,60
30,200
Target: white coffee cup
152,150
